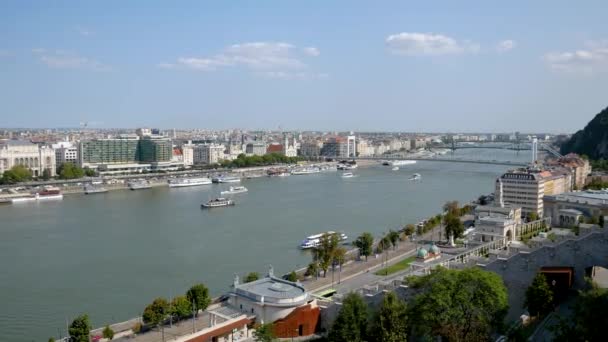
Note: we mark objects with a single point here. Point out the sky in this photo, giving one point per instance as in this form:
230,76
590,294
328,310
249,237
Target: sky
434,66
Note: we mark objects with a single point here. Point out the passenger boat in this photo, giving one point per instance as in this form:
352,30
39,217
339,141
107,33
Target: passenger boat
92,189
347,166
183,182
402,162
348,175
226,179
218,202
139,184
314,240
48,193
234,190
305,171
395,168
415,177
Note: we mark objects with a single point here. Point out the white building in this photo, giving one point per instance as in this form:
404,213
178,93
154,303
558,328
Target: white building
208,153
35,158
65,152
351,146
188,154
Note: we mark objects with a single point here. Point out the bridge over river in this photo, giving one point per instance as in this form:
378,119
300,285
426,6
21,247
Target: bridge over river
446,159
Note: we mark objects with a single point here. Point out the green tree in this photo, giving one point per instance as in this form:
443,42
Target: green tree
252,276
91,173
364,243
313,269
532,216
80,329
16,174
46,174
451,207
51,339
588,319
409,230
458,305
351,323
264,333
453,227
70,171
199,295
293,277
108,333
156,312
390,323
539,297
181,307
393,237
324,252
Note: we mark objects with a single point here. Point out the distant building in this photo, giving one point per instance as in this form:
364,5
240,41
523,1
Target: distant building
490,228
256,148
120,150
336,147
65,152
286,304
580,168
35,158
351,146
153,150
274,148
188,154
591,203
208,153
310,148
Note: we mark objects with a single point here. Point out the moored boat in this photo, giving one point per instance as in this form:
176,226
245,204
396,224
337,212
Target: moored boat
402,162
314,240
139,184
94,189
234,190
183,182
218,202
305,171
226,179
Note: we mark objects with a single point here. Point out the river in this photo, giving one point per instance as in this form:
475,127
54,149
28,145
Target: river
108,255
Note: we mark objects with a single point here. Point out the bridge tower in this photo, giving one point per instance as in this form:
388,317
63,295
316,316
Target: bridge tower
534,150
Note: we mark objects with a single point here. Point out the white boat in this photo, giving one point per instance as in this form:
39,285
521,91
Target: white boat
49,193
415,177
234,190
305,171
139,184
395,168
218,202
346,166
226,179
402,162
348,175
182,182
283,174
92,189
314,240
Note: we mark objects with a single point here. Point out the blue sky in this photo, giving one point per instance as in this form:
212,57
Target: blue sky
331,65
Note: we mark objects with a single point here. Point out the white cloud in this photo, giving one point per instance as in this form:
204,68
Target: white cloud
591,59
420,44
267,59
506,45
60,59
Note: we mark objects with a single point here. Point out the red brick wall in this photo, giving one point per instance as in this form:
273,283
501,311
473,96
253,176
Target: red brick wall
307,316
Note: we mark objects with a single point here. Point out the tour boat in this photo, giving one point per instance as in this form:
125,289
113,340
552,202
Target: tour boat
182,182
218,202
48,193
226,179
92,189
402,162
314,240
305,171
234,190
395,168
348,175
139,184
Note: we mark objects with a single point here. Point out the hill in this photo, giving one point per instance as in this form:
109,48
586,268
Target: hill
592,140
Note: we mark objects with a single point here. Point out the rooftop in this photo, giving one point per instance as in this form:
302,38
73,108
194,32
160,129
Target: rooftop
271,287
592,197
16,143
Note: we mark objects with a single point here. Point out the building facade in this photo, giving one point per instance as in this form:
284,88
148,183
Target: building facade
120,150
336,148
590,204
208,153
521,188
33,157
65,152
255,148
155,150
310,148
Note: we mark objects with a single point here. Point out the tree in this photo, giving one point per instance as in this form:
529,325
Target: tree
409,230
91,173
458,305
451,207
588,319
390,323
539,297
252,276
264,333
324,253
51,339
351,323
364,243
80,329
393,237
199,295
313,269
16,174
532,216
108,333
156,312
46,174
453,227
181,307
293,277
70,171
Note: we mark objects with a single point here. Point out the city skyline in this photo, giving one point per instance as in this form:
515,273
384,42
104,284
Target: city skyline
471,67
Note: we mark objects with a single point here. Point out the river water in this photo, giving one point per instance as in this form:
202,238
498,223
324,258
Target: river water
110,254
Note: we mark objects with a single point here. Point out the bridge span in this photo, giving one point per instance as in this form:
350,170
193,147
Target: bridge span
448,160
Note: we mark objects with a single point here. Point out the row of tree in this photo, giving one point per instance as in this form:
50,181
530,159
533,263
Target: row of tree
456,305
20,173
327,254
196,298
80,330
268,159
72,171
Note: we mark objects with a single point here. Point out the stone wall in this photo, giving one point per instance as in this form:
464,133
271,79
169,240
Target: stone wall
518,270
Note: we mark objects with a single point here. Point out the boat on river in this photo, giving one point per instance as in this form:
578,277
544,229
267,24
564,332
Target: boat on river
234,190
183,182
218,202
139,185
226,179
315,240
415,177
94,189
347,175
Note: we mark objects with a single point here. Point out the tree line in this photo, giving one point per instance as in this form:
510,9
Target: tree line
20,173
268,159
